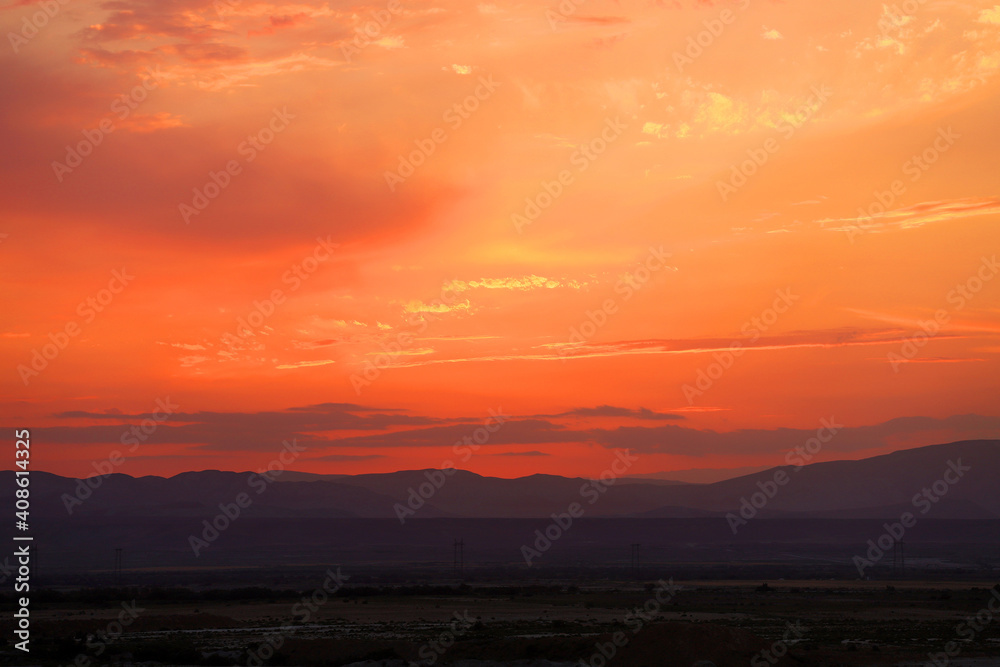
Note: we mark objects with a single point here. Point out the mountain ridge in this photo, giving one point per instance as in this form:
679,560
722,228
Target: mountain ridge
875,487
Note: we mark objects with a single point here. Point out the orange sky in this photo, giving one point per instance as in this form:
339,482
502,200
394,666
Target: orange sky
686,175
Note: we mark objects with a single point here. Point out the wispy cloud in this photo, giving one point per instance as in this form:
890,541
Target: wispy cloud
917,215
306,364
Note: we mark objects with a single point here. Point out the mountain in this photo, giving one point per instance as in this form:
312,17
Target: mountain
871,488
699,475
963,474
197,494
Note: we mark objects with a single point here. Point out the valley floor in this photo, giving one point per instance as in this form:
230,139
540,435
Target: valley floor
612,623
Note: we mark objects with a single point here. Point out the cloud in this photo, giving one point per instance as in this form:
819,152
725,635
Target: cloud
612,411
513,432
669,439
523,283
235,431
186,346
699,113
416,352
916,324
306,364
341,407
341,324
991,15
720,113
688,441
329,429
417,306
278,22
153,122
655,129
811,202
918,215
679,440
145,19
391,42
829,338
222,76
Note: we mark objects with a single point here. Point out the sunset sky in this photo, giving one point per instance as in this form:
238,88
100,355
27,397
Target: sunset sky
366,225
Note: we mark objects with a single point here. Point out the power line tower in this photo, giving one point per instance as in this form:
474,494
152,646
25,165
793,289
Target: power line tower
634,560
119,558
898,560
458,555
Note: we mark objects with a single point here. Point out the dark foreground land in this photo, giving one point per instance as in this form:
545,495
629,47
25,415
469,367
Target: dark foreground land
374,592
724,623
159,551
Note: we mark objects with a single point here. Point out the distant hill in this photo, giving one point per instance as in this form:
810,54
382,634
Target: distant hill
877,487
881,487
700,475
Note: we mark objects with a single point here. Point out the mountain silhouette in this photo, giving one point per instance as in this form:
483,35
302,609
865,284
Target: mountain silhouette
879,487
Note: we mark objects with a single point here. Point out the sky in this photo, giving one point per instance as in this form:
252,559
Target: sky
701,231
